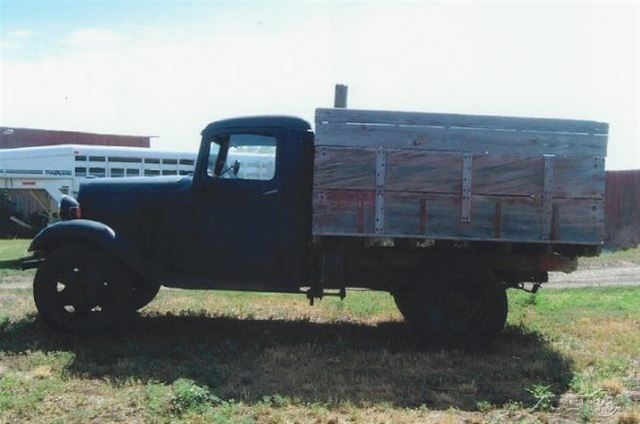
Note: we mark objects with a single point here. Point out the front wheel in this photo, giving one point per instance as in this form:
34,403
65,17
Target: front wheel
143,294
79,289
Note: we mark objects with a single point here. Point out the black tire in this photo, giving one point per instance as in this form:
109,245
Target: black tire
465,307
80,289
143,294
403,299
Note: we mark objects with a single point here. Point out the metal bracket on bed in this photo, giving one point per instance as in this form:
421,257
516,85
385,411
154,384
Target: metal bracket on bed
381,159
467,172
547,198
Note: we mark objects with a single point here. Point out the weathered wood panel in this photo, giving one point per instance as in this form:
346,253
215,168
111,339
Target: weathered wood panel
458,177
353,168
441,172
343,212
424,171
508,175
461,140
579,177
436,216
458,120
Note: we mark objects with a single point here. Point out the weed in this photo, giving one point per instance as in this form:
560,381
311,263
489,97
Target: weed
532,299
587,412
543,396
190,397
277,401
4,324
484,406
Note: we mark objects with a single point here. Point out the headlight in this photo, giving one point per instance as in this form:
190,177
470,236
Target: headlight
69,208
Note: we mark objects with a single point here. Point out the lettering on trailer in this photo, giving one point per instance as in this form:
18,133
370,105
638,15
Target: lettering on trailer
58,172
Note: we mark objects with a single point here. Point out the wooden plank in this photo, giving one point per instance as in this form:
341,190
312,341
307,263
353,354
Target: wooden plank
459,120
461,140
434,216
340,98
349,212
579,177
580,220
507,175
414,170
433,172
352,168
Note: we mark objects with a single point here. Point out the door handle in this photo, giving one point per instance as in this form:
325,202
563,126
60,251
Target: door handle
270,192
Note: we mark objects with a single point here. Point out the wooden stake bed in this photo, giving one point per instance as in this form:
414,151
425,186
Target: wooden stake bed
461,177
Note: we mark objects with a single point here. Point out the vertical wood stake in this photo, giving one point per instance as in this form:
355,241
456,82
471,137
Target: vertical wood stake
340,99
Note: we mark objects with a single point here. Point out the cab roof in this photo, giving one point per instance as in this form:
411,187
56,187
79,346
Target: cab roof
289,122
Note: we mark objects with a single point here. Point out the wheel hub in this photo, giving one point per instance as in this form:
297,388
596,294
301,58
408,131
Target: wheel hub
80,289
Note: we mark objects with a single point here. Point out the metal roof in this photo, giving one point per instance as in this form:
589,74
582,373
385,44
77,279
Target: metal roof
290,122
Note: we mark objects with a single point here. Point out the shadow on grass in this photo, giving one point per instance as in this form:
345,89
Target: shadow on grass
12,264
247,359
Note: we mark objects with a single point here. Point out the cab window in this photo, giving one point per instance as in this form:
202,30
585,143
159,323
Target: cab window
243,157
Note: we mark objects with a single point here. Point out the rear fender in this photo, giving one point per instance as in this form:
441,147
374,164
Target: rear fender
100,235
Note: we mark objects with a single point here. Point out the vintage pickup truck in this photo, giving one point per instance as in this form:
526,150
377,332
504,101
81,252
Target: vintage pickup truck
444,212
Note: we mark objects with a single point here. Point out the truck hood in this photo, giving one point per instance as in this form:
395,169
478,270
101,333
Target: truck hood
128,204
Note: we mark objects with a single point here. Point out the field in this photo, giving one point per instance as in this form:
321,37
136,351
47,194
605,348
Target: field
225,357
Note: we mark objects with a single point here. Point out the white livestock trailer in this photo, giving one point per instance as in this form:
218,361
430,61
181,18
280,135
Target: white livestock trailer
44,174
47,173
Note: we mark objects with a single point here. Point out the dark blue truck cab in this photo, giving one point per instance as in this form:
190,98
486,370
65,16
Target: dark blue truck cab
269,208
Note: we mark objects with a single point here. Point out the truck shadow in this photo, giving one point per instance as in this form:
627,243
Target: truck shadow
248,360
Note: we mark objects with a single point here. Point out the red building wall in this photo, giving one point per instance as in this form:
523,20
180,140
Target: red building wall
10,138
622,209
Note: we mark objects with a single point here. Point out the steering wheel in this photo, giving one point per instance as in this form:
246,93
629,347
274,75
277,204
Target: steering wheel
231,170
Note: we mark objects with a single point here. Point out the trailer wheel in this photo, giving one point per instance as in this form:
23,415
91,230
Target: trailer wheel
79,289
142,295
462,308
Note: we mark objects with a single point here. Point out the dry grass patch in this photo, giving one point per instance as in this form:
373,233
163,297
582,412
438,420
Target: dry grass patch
242,358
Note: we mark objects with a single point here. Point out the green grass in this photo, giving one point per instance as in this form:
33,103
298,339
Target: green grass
11,250
229,357
197,356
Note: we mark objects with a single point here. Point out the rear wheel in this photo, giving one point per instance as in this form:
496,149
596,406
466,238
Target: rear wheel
403,299
79,289
461,308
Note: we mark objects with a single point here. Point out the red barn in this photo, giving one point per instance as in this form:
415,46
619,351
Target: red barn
11,137
622,209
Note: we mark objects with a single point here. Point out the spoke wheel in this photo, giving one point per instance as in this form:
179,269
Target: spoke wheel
461,308
79,289
458,307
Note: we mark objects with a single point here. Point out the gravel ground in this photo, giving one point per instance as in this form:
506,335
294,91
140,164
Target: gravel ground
620,275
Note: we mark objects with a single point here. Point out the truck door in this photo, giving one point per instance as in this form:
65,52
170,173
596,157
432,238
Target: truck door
237,207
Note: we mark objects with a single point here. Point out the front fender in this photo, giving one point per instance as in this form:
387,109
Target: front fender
98,234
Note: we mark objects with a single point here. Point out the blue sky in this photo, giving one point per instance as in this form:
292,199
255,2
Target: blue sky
168,68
